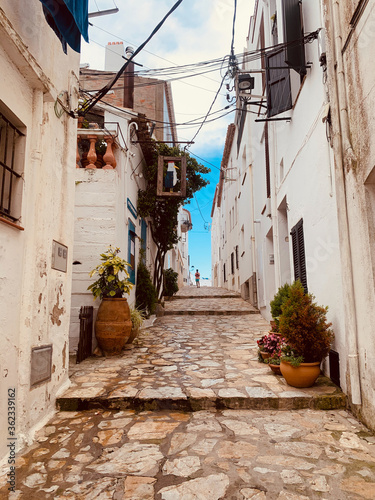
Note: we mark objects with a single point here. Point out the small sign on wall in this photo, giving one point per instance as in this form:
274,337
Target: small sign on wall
271,258
59,256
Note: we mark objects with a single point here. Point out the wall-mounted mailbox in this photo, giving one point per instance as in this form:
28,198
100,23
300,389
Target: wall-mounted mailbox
59,256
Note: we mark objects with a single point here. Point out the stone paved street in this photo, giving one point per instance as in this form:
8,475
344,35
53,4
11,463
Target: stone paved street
190,414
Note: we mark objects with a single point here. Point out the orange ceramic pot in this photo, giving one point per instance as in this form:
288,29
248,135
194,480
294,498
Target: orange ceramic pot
275,368
113,325
301,376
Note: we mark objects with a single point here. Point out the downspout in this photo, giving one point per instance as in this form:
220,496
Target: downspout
345,161
275,225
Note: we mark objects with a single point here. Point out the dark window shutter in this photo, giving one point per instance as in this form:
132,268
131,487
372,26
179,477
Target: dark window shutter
232,263
224,272
279,97
237,261
299,259
293,30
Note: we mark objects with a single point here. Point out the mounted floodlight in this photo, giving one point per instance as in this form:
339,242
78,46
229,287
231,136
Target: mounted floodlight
245,82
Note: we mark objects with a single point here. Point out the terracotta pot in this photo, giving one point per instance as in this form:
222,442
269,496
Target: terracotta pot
303,375
264,354
113,325
275,369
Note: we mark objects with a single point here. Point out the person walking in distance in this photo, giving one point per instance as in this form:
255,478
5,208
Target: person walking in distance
197,278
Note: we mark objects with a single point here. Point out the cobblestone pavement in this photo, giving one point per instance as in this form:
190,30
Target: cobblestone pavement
193,362
230,454
219,451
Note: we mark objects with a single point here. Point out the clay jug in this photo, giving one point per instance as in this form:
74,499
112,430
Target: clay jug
113,325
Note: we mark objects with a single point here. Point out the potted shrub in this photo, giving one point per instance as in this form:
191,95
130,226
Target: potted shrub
145,292
308,337
170,282
275,305
113,323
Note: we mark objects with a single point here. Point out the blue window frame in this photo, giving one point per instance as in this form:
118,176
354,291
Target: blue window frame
131,251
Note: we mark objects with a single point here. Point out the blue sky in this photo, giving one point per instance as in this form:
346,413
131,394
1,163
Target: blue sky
197,31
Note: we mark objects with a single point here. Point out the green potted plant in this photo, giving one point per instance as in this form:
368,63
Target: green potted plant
113,323
280,297
145,292
274,362
308,337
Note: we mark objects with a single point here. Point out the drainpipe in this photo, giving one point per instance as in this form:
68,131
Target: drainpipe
345,159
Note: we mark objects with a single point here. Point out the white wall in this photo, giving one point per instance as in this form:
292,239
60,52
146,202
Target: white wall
35,299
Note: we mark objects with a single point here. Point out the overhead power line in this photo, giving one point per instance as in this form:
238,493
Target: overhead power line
108,87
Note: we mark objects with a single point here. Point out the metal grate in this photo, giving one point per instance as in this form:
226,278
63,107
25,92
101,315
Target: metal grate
8,176
86,315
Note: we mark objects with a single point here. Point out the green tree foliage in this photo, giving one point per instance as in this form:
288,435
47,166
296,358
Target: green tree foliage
162,211
278,300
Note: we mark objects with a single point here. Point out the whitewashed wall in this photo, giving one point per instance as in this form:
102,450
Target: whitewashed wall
356,69
302,186
101,218
34,298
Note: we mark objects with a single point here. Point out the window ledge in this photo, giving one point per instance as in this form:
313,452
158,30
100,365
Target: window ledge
16,226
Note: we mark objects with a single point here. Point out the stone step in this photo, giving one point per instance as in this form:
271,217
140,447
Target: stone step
196,399
198,297
212,312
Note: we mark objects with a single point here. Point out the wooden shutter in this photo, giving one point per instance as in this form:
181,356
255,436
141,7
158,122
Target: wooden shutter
299,260
232,263
279,96
293,30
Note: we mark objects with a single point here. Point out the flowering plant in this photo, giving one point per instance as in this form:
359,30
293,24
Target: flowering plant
272,343
274,359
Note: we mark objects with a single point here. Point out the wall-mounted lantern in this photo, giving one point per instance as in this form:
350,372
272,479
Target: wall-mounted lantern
171,176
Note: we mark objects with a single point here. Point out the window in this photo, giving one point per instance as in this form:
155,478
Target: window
232,263
299,260
10,170
237,261
224,273
131,252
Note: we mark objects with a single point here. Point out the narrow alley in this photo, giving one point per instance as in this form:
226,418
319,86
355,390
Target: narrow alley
190,413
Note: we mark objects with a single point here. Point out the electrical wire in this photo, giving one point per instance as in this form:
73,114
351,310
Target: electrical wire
199,208
208,112
108,87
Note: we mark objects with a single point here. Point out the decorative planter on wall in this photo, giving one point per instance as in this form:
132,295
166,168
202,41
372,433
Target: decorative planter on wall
300,376
113,325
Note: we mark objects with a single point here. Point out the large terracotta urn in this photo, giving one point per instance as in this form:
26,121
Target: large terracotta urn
113,325
300,376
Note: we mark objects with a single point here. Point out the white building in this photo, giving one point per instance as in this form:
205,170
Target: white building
351,78
37,149
275,211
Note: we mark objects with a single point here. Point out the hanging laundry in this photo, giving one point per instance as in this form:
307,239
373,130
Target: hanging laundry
69,20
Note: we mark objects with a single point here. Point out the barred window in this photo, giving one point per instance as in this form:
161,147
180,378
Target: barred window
11,166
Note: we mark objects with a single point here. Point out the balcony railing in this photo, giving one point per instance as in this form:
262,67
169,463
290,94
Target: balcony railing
95,148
